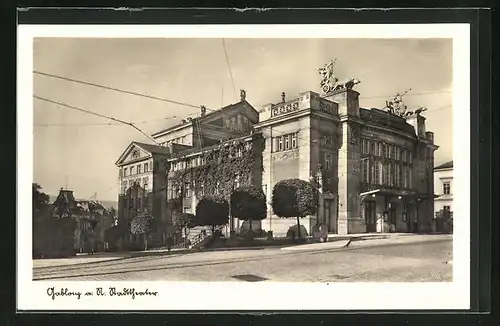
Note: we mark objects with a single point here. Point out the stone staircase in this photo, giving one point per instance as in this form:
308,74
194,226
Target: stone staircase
200,236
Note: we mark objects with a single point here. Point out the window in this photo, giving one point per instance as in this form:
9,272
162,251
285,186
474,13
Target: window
376,173
447,208
294,140
365,169
363,146
187,209
385,150
398,175
287,142
187,189
372,147
377,149
390,172
280,143
446,187
132,170
385,174
403,155
145,182
139,169
125,171
328,162
145,167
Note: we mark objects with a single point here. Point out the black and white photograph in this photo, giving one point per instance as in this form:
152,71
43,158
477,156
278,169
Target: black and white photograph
254,158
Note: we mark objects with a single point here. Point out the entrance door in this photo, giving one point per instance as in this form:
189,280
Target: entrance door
370,216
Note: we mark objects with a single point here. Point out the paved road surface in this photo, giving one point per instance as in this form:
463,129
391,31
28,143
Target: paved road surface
406,262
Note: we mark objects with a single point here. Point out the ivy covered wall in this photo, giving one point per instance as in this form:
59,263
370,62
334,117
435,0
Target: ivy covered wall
219,169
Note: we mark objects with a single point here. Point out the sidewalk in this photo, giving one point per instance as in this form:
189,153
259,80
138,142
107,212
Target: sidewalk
371,240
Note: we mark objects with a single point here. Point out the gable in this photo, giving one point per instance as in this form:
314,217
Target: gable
133,153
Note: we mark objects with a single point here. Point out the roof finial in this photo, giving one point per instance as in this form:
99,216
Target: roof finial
243,95
283,97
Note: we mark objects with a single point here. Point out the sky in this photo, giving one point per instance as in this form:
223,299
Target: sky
78,150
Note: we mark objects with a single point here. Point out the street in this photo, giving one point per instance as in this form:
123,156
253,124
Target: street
398,262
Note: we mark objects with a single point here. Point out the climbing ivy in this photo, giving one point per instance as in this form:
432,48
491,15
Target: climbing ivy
220,166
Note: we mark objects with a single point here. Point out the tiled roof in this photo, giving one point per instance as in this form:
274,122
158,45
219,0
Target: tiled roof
153,148
447,165
201,118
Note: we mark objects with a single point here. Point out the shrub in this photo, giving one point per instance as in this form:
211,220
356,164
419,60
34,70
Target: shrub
294,198
293,231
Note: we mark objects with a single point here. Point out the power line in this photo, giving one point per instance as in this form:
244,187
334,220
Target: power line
192,105
114,89
96,114
229,67
99,124
181,103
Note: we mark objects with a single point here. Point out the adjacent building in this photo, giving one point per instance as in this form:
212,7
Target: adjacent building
373,167
443,187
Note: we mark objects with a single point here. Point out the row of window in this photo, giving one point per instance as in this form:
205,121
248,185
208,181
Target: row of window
195,161
388,174
134,170
238,123
144,184
377,148
179,140
284,142
174,190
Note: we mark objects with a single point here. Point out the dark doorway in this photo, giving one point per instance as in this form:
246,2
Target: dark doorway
370,216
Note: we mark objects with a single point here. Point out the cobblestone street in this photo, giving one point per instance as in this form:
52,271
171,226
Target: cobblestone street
399,262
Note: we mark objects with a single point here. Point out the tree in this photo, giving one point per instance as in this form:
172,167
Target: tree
40,199
141,224
294,198
249,203
185,221
212,211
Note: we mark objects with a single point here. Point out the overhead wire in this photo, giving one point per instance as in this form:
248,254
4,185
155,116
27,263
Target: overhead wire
229,68
96,114
183,103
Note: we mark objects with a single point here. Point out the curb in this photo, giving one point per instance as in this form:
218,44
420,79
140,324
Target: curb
319,246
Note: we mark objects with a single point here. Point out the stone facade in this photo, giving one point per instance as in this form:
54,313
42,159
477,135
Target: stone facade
374,165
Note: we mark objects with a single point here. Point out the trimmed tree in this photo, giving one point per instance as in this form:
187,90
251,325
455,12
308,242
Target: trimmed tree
249,203
212,211
294,198
141,224
185,221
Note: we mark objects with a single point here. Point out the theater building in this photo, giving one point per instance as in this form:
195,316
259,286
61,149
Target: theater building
373,167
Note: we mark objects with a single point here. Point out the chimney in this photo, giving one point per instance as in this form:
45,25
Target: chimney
283,97
203,110
243,95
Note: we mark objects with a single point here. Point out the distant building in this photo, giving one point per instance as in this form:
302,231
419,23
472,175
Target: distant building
443,187
92,219
374,166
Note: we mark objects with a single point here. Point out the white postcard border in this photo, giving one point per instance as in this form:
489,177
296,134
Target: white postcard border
251,296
